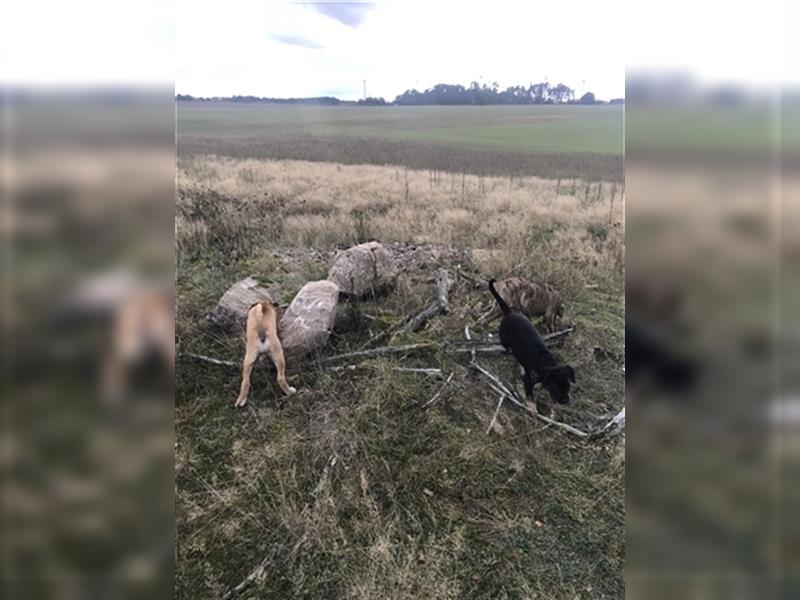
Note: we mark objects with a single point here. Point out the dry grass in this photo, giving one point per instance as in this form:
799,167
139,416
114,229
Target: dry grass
324,206
350,488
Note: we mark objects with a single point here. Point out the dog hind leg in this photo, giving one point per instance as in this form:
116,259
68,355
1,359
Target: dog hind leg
247,368
276,354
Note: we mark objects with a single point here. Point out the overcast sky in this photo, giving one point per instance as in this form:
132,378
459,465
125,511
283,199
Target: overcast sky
314,49
274,48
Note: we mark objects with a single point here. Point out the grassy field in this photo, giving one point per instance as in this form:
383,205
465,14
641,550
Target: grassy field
352,489
544,141
547,128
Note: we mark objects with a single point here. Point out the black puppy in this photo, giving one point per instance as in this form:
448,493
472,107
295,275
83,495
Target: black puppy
519,336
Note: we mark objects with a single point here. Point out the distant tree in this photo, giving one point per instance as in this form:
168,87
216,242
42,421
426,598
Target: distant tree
617,101
540,92
372,102
587,98
561,93
475,93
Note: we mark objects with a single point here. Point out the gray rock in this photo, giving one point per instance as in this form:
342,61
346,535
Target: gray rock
306,325
364,270
230,312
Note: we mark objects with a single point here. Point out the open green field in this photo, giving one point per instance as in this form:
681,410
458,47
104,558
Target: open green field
547,128
544,141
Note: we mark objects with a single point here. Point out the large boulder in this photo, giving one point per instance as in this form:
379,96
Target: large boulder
364,270
230,312
307,323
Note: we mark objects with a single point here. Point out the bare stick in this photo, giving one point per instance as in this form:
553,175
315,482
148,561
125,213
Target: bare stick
439,305
213,361
431,371
469,339
501,388
499,385
254,574
423,317
482,347
439,393
613,428
377,352
496,410
452,347
423,371
560,425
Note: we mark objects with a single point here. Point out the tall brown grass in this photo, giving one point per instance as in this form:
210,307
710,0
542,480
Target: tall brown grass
543,228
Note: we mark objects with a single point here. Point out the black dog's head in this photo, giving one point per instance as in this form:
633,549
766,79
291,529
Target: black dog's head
556,380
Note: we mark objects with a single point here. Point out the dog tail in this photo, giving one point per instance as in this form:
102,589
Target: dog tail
262,333
503,306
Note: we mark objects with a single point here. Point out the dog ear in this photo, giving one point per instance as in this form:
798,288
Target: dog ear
570,372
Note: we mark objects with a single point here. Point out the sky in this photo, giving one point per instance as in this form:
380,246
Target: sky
280,49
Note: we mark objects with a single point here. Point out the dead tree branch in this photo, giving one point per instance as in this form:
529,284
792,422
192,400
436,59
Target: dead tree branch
423,371
502,389
415,322
378,352
496,411
469,339
613,428
439,305
213,361
255,573
484,347
451,347
430,371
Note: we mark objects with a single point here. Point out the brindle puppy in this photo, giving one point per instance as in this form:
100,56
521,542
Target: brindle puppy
531,299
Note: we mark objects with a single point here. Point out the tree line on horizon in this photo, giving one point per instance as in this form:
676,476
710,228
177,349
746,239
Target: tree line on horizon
443,94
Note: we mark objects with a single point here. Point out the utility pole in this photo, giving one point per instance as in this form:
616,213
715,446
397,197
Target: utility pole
365,88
